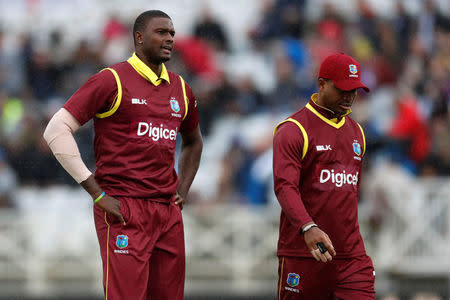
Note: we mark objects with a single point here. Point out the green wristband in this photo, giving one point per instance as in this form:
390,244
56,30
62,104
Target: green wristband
99,197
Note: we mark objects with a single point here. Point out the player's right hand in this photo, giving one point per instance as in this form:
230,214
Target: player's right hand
112,207
314,236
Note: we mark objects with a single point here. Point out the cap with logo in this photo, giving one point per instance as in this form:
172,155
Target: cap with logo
343,70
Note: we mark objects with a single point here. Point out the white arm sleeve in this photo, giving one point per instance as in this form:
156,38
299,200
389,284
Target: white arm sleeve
59,137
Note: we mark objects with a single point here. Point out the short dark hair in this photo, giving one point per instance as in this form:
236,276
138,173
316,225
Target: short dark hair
142,19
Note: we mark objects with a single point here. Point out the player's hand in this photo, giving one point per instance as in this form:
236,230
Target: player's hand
112,207
179,200
314,236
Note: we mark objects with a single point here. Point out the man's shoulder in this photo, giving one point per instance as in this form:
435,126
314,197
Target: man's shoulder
112,74
349,120
120,66
300,115
294,121
174,76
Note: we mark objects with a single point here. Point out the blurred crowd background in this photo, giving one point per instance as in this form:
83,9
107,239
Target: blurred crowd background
250,64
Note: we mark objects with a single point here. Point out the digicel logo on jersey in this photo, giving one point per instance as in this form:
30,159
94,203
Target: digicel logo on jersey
338,178
156,132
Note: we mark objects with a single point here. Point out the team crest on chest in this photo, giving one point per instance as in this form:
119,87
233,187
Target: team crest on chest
357,148
174,104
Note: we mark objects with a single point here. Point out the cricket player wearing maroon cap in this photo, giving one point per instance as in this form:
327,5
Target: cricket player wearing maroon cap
317,158
138,108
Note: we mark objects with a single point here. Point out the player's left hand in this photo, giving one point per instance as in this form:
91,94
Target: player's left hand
179,200
316,235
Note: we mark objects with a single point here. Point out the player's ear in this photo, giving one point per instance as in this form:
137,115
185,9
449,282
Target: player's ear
138,37
321,83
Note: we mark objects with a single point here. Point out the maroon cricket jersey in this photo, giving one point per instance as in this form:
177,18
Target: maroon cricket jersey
137,117
317,174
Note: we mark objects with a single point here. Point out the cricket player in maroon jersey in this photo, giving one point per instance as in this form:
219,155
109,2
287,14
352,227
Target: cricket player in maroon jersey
317,160
138,108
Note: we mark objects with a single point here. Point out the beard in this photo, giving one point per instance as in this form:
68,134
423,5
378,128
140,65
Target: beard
155,58
164,59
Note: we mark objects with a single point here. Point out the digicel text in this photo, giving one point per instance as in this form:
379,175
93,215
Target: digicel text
338,179
156,132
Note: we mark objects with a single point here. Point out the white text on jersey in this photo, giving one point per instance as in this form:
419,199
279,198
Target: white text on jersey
156,132
323,147
338,179
138,101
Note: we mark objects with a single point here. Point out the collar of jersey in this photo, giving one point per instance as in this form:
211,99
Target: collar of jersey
321,111
146,72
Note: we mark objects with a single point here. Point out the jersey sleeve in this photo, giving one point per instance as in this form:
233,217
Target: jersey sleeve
287,166
94,96
191,121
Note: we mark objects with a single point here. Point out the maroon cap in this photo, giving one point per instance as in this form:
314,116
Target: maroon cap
343,70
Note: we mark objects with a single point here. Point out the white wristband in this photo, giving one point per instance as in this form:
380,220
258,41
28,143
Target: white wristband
308,227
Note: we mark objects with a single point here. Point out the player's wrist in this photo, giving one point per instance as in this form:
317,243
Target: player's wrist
308,227
96,199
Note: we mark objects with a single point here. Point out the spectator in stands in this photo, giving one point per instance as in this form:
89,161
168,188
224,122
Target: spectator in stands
299,54
410,131
116,41
429,20
42,75
248,99
438,162
403,26
331,26
12,64
233,177
8,182
367,21
389,61
280,18
215,100
266,28
199,58
286,94
114,28
290,14
57,50
209,29
83,62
